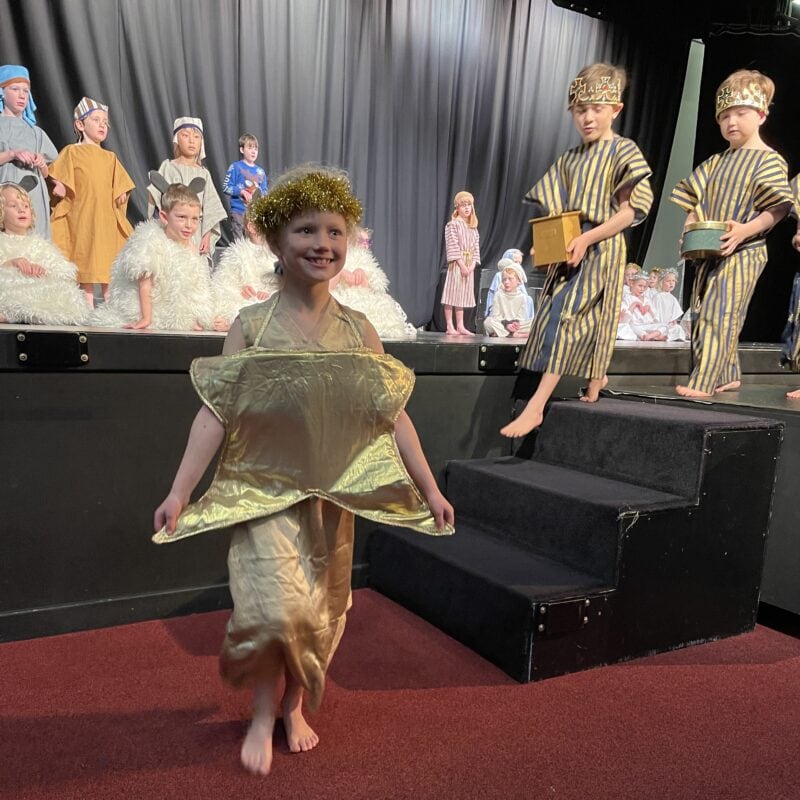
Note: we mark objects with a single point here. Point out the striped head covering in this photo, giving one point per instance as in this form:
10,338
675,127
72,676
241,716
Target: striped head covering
86,106
190,122
11,73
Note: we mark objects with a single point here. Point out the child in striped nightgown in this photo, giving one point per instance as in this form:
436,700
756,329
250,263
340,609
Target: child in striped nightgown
462,246
747,187
606,179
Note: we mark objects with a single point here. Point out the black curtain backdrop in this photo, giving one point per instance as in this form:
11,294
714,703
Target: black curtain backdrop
776,54
416,99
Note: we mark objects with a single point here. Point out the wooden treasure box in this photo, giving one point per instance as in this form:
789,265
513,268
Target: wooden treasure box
551,235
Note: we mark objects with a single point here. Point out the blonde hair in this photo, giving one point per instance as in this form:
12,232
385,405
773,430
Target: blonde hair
743,79
592,74
462,196
23,195
245,138
177,193
665,274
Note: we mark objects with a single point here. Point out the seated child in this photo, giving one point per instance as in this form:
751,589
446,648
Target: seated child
37,284
512,310
516,256
665,304
362,285
630,271
638,320
158,280
244,276
653,279
242,179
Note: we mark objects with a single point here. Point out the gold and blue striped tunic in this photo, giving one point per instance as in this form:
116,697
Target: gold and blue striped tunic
734,185
575,325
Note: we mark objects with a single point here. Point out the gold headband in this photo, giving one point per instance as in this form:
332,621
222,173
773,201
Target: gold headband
751,96
314,191
603,91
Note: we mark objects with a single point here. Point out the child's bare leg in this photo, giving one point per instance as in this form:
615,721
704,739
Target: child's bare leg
88,293
448,319
732,386
794,395
104,290
299,734
257,746
533,413
592,393
460,323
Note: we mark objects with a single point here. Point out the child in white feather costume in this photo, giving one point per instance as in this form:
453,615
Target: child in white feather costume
38,285
158,280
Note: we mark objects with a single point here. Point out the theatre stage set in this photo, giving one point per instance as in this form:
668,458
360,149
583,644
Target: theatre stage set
638,524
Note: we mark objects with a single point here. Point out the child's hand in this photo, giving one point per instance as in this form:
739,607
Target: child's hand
512,326
25,157
262,296
27,268
576,250
167,513
441,509
205,243
120,201
248,291
796,241
359,277
59,190
221,324
138,326
734,236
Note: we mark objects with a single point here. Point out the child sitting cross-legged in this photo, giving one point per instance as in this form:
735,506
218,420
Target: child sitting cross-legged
512,309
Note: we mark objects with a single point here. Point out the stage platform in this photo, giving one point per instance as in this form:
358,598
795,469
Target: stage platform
93,423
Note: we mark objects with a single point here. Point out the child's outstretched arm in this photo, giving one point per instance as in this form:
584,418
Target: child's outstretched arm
205,437
414,459
623,218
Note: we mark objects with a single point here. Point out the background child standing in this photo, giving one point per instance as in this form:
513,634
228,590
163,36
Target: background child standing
242,179
90,223
606,179
26,148
290,556
747,187
462,248
189,152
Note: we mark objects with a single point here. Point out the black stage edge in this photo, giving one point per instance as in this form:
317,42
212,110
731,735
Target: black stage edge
91,447
623,535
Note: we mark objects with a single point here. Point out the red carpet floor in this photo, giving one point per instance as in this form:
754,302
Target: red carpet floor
139,712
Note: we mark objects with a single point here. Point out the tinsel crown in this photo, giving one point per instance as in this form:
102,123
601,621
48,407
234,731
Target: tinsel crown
603,91
312,191
751,96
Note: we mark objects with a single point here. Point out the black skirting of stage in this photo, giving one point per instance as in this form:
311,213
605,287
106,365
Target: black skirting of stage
93,424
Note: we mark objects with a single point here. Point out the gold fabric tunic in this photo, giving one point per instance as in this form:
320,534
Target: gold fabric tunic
309,440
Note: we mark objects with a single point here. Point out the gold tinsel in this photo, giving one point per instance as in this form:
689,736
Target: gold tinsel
316,190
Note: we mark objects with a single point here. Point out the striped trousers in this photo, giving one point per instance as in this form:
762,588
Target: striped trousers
721,293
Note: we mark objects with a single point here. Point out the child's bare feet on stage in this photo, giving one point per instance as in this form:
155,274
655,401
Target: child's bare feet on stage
592,393
728,387
685,391
299,734
451,332
463,332
530,418
795,395
257,746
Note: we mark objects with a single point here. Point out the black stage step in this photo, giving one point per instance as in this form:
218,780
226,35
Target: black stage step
631,530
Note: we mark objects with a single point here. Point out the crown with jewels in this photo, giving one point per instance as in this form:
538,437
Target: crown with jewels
602,91
751,96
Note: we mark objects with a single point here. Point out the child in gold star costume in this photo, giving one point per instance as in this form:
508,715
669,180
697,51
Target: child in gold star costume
311,414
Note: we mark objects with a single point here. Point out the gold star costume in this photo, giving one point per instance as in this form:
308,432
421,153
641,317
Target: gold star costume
310,441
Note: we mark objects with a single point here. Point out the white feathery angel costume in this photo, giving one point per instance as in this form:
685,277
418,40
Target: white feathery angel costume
50,299
373,300
243,263
660,317
181,284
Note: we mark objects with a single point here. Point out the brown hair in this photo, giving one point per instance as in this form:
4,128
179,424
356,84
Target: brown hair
745,78
247,137
178,193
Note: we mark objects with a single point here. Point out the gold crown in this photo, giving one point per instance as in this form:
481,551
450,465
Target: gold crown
751,96
603,91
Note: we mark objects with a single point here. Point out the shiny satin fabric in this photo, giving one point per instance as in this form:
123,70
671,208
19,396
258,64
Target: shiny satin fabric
305,424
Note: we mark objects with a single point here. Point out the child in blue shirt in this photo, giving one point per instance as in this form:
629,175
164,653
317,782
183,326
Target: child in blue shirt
242,179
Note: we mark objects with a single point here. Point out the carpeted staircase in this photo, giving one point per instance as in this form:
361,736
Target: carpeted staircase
633,528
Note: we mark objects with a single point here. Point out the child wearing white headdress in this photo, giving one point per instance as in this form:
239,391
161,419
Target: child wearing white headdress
512,310
189,152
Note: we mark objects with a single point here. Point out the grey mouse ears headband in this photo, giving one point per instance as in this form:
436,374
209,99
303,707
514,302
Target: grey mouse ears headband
161,184
26,183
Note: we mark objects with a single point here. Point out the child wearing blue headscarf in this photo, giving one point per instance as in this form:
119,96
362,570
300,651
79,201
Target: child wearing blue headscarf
25,149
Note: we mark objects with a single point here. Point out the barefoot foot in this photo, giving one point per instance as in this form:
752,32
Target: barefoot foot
592,393
451,332
795,395
530,418
728,387
685,391
300,736
463,332
257,747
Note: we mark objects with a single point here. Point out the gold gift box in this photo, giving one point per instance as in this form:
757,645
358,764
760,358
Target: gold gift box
551,235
